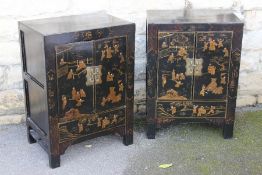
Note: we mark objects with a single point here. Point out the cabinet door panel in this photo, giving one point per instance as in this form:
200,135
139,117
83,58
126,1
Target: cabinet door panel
111,82
75,86
212,65
175,60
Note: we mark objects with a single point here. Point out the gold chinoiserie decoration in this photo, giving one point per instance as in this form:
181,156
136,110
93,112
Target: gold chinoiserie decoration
172,95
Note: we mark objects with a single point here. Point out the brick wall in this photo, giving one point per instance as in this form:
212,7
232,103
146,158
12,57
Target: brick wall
11,11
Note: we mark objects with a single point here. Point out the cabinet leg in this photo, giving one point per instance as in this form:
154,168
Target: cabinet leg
54,161
30,138
151,131
228,131
128,140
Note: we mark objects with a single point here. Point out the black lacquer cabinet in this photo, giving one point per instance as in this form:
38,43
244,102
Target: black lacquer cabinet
78,78
193,59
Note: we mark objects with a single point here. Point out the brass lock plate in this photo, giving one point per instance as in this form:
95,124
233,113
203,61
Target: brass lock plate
93,75
194,67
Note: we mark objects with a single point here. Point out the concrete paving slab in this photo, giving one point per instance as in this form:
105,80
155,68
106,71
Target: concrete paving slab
192,148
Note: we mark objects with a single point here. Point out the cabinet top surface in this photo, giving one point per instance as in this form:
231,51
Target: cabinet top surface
65,24
191,16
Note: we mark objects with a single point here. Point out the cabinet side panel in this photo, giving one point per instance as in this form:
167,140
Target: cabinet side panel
130,85
151,79
32,48
234,72
37,105
32,53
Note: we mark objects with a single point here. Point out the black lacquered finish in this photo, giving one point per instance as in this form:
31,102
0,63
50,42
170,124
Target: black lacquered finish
79,79
193,59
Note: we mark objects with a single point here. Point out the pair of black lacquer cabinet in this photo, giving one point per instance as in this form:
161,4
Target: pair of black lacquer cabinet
78,74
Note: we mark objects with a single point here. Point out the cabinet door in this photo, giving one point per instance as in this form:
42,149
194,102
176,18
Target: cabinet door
175,75
213,52
75,88
175,60
110,75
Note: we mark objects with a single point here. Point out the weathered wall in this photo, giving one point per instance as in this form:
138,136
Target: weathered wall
11,11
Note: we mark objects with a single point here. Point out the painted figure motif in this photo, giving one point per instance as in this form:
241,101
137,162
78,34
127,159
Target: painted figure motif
211,110
82,93
64,102
73,93
223,68
225,51
172,44
171,58
114,121
171,94
109,76
223,78
195,109
80,127
212,86
182,52
99,122
105,122
108,51
70,75
121,86
211,69
182,76
178,84
173,110
201,111
82,65
178,76
212,45
164,80
103,55
116,48
112,95
77,96
72,114
122,58
174,75
62,62
203,91
103,102
205,46
220,43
